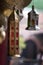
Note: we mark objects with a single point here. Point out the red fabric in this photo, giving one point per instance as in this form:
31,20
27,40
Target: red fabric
3,52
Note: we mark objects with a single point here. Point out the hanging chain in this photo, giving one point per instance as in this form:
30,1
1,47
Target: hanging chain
32,2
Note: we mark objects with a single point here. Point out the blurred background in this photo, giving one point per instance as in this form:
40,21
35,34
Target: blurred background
38,5
8,8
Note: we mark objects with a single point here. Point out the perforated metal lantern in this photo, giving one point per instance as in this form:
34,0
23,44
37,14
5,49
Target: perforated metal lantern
32,19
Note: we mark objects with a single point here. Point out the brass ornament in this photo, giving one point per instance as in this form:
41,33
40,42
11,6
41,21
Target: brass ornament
2,36
3,28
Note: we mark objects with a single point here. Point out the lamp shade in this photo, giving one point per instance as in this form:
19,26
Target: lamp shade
8,4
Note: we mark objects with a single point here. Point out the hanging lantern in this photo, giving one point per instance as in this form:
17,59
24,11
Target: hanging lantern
32,20
13,33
